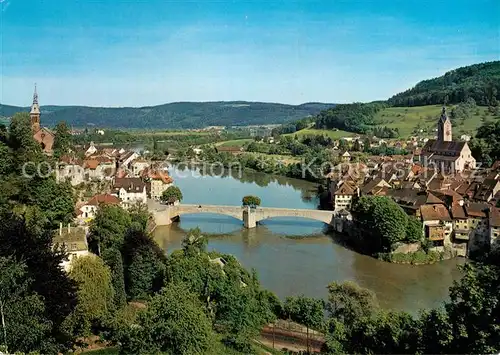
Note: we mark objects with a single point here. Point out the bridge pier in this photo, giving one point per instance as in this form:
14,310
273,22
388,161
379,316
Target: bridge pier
249,220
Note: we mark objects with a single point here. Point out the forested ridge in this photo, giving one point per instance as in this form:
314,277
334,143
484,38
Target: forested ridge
480,82
174,115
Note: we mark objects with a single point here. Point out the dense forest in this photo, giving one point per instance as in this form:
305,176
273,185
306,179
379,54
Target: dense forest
174,115
356,117
480,82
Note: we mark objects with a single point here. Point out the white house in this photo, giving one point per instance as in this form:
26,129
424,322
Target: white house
138,166
74,241
71,171
91,150
160,181
130,191
89,209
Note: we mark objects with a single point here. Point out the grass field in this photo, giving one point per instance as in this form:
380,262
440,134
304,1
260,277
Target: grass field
234,143
409,119
330,133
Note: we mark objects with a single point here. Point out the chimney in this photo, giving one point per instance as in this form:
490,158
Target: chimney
60,228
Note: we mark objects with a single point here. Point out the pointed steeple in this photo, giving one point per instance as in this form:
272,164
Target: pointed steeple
35,97
35,113
444,127
444,116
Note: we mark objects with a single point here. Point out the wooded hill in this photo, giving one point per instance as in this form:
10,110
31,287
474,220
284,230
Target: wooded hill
175,115
478,84
479,81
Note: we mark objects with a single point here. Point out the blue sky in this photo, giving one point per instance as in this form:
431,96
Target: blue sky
138,52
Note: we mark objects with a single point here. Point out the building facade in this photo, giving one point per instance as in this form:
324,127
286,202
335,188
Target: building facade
445,154
42,135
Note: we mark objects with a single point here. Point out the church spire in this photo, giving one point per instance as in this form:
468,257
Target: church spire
35,113
35,97
444,127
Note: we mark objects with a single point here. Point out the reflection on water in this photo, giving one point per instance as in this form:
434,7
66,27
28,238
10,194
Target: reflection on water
306,263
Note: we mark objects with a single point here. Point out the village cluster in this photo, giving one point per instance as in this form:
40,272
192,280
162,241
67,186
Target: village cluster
128,178
438,184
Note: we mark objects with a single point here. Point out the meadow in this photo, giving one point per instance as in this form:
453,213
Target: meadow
412,120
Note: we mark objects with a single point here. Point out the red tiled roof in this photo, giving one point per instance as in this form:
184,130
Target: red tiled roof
434,213
129,184
458,211
476,209
104,199
91,163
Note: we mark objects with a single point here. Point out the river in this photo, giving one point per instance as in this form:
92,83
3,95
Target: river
297,256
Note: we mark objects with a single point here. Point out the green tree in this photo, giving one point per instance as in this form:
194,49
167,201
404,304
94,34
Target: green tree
25,148
113,258
413,230
62,140
23,325
474,310
108,228
57,293
95,294
385,333
194,242
56,200
252,201
139,213
144,263
384,218
348,301
172,193
306,311
174,322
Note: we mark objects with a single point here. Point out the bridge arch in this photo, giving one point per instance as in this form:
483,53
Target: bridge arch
250,217
230,211
315,215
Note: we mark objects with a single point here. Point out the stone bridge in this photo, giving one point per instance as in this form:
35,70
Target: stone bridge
164,215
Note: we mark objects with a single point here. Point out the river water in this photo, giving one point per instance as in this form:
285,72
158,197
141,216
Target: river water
296,256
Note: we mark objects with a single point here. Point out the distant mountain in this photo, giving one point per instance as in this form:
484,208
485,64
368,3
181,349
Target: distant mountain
175,115
479,81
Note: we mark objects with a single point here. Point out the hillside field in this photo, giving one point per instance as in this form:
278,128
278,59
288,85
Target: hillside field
235,142
330,133
408,119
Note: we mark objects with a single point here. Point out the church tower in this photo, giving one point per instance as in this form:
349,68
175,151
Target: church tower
444,127
35,113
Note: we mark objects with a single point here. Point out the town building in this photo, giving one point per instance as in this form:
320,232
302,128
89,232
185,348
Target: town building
130,191
70,169
89,209
437,224
494,228
44,136
444,153
73,240
159,181
138,166
343,196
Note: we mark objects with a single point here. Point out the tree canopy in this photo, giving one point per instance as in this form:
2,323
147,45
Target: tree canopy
386,221
252,201
172,193
480,82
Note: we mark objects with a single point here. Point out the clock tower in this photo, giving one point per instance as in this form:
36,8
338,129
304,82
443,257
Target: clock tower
444,127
